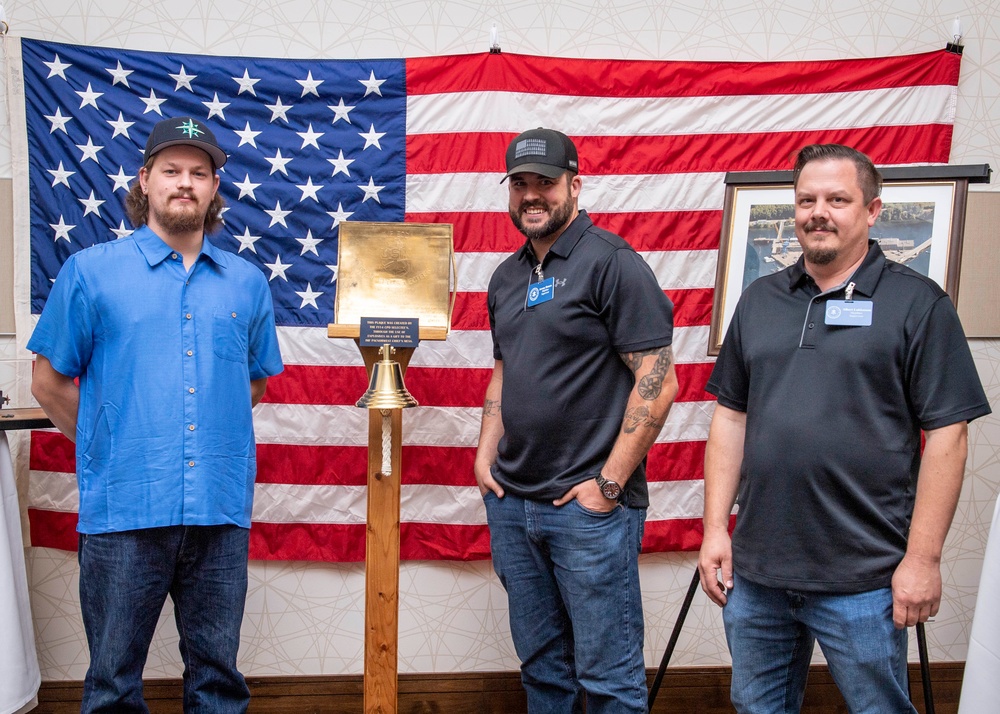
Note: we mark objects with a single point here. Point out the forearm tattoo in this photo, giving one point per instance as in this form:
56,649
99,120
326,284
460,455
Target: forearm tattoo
651,385
491,408
640,416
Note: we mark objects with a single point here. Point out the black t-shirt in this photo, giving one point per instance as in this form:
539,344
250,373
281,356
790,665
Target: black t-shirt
834,416
565,385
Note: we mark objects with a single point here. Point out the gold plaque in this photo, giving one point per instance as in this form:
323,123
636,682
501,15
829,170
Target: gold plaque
398,270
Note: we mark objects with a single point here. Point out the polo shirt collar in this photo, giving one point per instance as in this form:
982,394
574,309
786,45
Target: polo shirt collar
566,242
865,278
155,250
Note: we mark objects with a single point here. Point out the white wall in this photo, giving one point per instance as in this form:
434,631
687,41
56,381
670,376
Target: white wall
304,618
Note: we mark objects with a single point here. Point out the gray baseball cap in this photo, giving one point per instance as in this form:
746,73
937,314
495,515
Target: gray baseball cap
183,131
541,151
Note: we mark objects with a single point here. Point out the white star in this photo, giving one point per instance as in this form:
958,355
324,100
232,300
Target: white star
309,244
277,215
279,110
371,191
372,84
340,111
309,84
246,83
246,187
91,204
308,296
121,231
340,165
183,79
339,215
309,137
247,136
223,211
247,241
62,229
58,121
120,126
309,190
89,96
60,175
57,67
333,269
278,163
371,138
120,75
278,269
152,103
121,179
215,107
89,150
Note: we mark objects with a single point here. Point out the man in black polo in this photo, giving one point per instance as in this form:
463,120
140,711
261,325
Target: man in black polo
584,369
828,374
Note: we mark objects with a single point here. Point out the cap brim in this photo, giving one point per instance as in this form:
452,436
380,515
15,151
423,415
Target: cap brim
218,155
545,170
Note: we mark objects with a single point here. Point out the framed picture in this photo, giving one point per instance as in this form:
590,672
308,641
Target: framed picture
921,225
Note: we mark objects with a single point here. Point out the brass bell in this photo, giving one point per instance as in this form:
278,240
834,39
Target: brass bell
386,389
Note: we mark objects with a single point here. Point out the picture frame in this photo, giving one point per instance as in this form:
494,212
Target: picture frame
921,225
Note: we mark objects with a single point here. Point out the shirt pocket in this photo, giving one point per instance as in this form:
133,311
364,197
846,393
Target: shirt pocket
230,335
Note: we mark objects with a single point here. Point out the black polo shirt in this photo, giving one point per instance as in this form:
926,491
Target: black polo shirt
834,416
565,385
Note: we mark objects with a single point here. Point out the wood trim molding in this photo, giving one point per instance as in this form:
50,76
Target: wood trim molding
692,690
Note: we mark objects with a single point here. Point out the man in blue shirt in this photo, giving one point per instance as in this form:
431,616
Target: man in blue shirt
172,340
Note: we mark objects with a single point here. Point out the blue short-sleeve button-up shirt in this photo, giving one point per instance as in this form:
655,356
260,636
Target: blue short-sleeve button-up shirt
165,358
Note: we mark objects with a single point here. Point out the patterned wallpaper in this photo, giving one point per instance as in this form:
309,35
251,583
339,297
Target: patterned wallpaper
304,618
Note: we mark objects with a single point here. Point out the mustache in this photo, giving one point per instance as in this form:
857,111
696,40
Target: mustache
817,225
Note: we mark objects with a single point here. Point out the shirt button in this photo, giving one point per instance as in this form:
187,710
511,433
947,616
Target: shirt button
190,463
234,314
189,353
812,325
190,390
188,316
190,427
173,256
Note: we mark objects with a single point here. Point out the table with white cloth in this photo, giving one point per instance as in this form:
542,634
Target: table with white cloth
981,685
19,675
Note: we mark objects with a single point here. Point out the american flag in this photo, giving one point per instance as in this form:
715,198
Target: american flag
316,142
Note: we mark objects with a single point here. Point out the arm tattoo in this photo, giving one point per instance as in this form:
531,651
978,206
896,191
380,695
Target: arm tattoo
651,385
640,416
491,408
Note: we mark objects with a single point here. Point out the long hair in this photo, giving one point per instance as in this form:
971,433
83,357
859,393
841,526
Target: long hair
137,204
869,179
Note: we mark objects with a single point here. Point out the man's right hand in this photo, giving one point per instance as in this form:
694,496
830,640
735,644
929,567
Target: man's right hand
486,482
716,555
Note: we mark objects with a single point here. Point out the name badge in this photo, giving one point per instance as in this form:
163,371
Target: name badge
856,313
541,292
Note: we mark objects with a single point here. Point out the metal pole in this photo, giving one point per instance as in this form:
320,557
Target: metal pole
681,616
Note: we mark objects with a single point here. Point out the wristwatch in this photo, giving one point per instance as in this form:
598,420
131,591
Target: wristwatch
611,489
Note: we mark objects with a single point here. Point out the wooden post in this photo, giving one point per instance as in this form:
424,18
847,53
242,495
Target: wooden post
382,555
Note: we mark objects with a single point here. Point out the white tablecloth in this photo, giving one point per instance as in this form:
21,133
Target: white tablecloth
19,677
981,686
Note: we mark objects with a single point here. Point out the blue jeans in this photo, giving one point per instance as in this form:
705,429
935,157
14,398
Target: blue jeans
572,581
125,579
771,633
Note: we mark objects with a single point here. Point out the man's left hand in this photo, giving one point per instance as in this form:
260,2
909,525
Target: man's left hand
916,590
589,495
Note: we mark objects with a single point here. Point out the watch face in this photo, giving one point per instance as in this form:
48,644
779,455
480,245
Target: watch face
611,490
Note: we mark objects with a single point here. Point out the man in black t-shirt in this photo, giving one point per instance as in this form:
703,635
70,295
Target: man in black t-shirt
584,370
828,374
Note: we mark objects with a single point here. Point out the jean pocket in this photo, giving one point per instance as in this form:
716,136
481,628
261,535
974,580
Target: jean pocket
230,335
596,514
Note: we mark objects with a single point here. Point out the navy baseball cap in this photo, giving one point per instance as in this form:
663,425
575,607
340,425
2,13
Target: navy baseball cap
183,131
541,151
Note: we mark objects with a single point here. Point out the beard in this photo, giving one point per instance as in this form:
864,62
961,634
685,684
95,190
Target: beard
559,216
179,219
819,255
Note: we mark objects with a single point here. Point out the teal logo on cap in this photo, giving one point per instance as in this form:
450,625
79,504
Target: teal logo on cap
191,129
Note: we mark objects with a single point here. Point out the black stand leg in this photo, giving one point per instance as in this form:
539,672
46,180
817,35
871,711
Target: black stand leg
925,669
672,643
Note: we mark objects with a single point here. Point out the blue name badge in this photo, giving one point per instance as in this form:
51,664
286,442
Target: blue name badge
541,292
856,313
